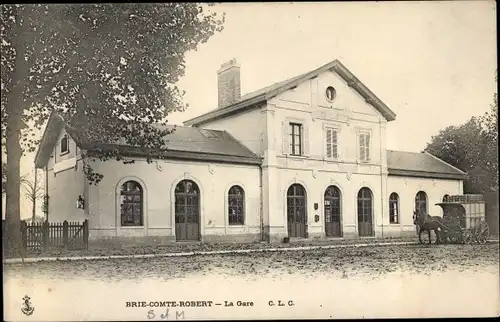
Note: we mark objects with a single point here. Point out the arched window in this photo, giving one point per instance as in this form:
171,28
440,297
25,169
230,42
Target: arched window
64,145
131,200
421,202
445,198
394,208
236,206
187,187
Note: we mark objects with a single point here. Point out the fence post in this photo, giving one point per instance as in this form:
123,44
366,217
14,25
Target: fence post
86,233
24,235
65,234
45,235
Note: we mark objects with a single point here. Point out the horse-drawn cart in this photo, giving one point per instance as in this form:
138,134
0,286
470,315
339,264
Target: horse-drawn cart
464,219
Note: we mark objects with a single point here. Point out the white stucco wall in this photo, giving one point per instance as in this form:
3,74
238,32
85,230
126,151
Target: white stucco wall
408,187
65,182
246,127
159,180
307,104
349,113
315,184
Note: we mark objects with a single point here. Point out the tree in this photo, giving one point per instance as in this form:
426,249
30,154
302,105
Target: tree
33,190
4,176
108,69
473,147
463,146
489,123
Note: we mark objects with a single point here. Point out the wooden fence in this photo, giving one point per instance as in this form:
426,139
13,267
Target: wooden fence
46,236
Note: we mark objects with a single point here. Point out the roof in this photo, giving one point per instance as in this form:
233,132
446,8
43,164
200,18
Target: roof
412,164
54,126
252,99
187,143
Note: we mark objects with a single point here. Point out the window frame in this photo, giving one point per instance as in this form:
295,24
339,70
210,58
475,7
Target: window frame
365,206
140,193
394,217
334,93
293,135
367,147
65,139
419,201
240,218
336,207
336,145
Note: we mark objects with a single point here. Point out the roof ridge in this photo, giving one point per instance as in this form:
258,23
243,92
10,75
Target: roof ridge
404,151
267,92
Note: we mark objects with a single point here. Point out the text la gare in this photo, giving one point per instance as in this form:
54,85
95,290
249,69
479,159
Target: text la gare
238,303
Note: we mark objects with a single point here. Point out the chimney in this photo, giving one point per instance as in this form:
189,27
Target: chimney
229,84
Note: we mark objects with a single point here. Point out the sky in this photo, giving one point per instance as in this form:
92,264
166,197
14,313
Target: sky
433,63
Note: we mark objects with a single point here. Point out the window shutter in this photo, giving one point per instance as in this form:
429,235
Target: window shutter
286,138
305,139
331,143
328,143
367,147
334,144
361,147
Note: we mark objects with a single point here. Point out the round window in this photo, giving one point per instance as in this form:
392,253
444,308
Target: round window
330,93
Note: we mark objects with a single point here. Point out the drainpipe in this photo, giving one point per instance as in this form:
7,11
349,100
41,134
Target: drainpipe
35,184
45,197
381,181
261,205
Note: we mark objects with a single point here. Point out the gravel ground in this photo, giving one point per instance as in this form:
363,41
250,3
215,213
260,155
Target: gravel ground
366,282
349,261
103,249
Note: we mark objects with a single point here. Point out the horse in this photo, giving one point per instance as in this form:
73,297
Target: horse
426,222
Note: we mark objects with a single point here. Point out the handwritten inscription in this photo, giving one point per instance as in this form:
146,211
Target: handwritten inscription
163,309
165,315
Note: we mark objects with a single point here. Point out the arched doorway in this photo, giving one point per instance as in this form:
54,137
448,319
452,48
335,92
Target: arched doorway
332,206
187,211
421,202
296,211
365,212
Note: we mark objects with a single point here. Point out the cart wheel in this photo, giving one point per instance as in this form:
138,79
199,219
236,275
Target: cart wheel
468,238
457,239
482,232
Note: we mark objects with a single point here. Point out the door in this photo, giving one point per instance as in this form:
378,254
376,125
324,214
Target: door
296,211
187,211
333,223
365,212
